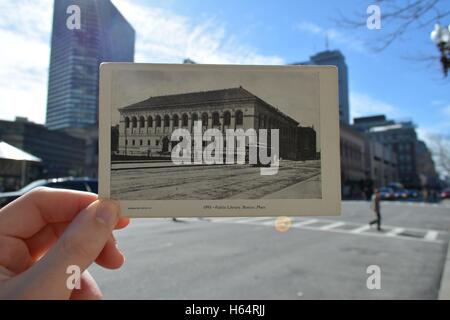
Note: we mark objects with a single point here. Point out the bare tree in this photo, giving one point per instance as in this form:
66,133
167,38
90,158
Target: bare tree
400,18
440,147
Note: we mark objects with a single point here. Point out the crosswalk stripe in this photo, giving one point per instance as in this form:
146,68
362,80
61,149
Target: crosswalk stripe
253,219
395,232
360,229
304,223
332,226
268,223
431,235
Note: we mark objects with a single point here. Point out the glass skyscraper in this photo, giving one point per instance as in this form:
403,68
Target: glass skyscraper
104,36
336,58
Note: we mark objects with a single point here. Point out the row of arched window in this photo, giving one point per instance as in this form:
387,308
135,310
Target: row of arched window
158,121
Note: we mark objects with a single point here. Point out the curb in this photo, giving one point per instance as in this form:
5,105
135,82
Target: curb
444,290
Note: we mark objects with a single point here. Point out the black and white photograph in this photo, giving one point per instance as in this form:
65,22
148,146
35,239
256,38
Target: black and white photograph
142,165
192,132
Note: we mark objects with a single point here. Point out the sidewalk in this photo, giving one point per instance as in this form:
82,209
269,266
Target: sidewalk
307,189
444,291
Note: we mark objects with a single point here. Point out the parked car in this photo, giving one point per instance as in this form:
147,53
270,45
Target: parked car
413,193
387,193
445,194
401,194
81,184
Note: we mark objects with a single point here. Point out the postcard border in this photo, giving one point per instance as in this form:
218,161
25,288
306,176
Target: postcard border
329,205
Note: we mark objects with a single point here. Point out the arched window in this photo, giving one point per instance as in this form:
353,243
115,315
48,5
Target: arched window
158,121
239,117
204,119
141,122
127,122
215,119
226,118
134,122
176,120
184,120
194,118
150,121
166,121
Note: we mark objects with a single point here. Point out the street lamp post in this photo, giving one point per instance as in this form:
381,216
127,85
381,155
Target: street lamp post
441,37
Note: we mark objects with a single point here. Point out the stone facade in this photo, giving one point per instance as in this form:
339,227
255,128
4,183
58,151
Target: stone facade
145,127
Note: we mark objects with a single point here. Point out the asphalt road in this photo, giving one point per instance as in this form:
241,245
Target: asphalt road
318,258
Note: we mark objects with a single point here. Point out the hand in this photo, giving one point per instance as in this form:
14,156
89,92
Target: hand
47,230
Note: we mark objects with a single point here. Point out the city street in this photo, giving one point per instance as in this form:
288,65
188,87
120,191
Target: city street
318,258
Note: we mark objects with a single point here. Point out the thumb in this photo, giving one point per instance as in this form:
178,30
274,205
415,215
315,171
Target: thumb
79,246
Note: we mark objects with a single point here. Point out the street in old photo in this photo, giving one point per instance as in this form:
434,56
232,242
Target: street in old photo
163,180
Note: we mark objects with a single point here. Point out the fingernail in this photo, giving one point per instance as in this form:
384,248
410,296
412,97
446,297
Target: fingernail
107,213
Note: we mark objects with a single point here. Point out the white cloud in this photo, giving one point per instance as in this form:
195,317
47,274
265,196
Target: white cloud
162,36
364,105
333,35
25,34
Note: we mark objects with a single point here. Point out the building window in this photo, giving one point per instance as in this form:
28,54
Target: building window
215,119
194,118
204,119
150,121
140,142
132,142
239,118
148,142
158,121
141,122
157,142
184,120
166,121
127,122
176,120
226,118
134,122
126,142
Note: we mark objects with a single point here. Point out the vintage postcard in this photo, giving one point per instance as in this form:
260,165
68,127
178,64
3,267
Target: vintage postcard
190,140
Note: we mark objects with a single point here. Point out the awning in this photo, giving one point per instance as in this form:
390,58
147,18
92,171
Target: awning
10,152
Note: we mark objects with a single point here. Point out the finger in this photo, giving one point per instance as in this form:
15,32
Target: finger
31,212
80,245
41,242
14,254
110,257
89,289
122,223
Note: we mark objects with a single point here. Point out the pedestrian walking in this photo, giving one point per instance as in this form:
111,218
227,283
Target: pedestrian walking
375,205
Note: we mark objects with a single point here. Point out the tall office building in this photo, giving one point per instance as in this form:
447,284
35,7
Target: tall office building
76,54
335,58
400,137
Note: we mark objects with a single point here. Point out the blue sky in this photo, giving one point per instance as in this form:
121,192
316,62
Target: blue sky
394,81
